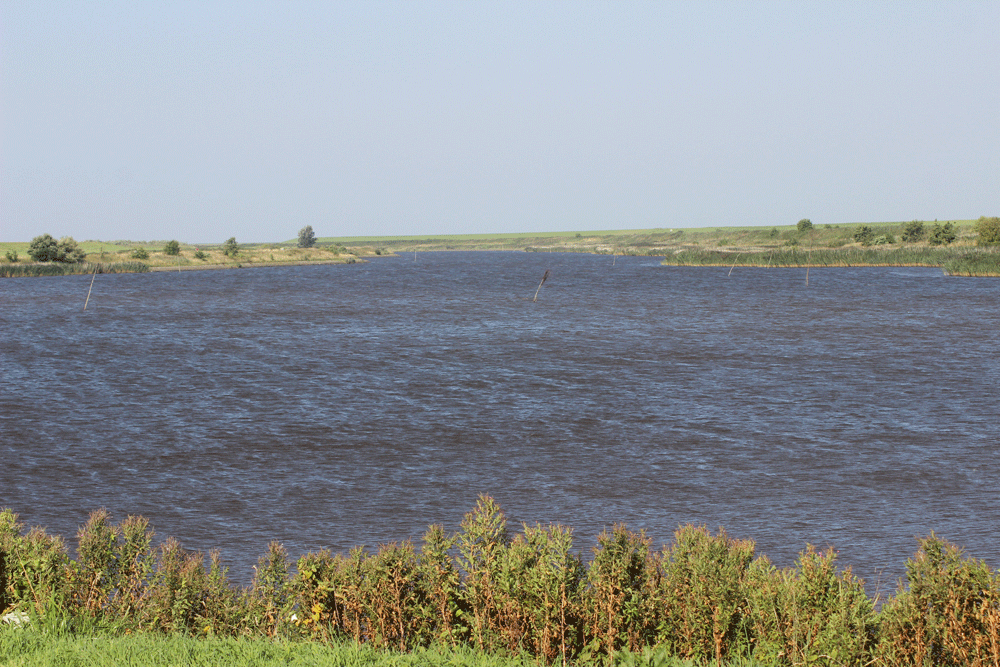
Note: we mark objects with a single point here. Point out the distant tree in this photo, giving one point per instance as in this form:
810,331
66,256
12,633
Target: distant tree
44,248
865,235
172,248
804,225
913,232
231,248
774,232
989,231
198,254
12,256
307,239
140,253
942,234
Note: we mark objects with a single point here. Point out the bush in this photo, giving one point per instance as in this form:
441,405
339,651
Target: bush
140,253
949,615
44,248
913,232
988,228
942,234
810,612
231,248
865,235
804,225
198,254
172,248
702,593
307,239
11,256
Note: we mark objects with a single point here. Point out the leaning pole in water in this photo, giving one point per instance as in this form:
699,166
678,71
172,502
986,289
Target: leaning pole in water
544,278
91,289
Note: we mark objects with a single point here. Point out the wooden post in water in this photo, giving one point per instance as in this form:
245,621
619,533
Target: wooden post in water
734,264
544,278
91,289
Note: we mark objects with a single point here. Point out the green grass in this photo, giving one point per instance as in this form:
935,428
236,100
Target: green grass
30,647
79,268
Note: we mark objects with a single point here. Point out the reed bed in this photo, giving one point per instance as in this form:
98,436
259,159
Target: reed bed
62,269
705,598
837,257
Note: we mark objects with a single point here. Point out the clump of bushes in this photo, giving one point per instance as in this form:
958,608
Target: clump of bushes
44,248
705,597
988,229
942,234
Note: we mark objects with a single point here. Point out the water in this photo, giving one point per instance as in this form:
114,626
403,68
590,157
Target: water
334,406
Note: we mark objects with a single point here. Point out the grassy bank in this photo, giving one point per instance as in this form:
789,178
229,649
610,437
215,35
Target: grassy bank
705,597
33,646
778,246
133,257
78,268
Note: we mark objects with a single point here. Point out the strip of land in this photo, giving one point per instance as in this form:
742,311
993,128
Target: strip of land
961,253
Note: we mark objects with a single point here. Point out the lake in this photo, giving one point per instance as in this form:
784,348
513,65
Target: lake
339,405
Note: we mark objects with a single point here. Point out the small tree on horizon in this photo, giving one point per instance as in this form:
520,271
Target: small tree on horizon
307,239
231,248
172,248
804,225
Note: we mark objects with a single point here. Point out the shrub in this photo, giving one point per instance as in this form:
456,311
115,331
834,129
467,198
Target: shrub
804,225
702,593
307,239
865,235
11,256
913,232
619,580
942,234
198,254
172,248
140,253
44,248
231,248
810,612
988,228
949,615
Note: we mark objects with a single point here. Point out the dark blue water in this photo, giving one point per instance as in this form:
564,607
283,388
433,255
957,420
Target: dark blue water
332,406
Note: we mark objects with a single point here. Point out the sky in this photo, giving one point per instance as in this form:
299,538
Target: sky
199,121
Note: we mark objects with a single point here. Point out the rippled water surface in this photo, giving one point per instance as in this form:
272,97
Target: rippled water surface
331,406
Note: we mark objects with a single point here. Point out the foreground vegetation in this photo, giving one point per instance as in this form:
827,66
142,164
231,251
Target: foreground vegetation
705,598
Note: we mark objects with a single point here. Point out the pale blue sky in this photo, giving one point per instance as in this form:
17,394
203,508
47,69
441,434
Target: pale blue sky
205,120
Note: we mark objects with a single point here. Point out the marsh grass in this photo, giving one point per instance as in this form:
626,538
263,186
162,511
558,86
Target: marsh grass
706,598
60,269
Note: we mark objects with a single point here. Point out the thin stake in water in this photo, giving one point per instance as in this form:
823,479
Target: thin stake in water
734,264
544,278
91,289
